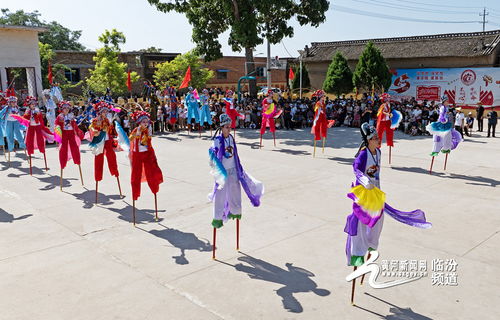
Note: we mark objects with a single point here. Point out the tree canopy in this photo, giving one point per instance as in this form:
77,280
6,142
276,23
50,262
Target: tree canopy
372,70
338,76
151,50
108,72
58,36
171,73
306,82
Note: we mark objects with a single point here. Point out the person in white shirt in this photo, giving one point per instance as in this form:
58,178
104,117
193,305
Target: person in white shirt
460,121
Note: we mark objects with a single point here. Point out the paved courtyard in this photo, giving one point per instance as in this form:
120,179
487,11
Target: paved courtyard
63,257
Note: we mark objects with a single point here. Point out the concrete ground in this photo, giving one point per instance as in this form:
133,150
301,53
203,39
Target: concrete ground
63,257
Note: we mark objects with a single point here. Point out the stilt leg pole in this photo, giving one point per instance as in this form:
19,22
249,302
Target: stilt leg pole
213,246
390,154
81,176
119,186
199,129
432,163
9,158
445,161
260,144
274,137
314,152
237,234
45,159
31,171
353,288
324,140
156,208
363,277
61,179
133,211
96,190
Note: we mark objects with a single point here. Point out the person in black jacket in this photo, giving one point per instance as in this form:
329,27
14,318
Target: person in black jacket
479,117
492,122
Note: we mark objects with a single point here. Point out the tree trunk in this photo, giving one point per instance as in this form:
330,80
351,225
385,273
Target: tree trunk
252,84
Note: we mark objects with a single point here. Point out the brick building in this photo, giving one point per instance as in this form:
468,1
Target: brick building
227,70
452,50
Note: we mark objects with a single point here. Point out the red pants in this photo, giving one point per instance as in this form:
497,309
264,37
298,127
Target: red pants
267,122
145,161
320,129
385,126
69,138
35,132
99,161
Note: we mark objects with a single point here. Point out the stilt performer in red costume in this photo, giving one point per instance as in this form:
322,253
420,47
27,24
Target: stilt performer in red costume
321,124
102,134
37,132
143,159
387,121
69,137
269,113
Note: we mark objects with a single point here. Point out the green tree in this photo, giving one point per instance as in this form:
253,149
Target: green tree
58,69
306,82
58,36
338,77
249,22
151,50
171,73
108,72
372,70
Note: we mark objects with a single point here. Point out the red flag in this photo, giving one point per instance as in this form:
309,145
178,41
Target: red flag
291,75
49,76
187,78
129,81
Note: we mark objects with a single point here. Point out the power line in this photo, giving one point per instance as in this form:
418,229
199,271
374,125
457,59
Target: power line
441,5
391,17
400,7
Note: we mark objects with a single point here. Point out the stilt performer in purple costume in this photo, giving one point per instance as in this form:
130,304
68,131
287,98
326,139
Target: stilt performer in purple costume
229,175
364,224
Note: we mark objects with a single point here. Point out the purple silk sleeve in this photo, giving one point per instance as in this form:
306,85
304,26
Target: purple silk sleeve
359,167
415,218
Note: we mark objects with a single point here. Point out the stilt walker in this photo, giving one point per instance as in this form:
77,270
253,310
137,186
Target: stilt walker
205,116
229,178
269,113
69,137
142,158
445,138
320,124
12,126
172,115
37,132
3,105
102,143
364,224
387,121
231,110
192,106
50,106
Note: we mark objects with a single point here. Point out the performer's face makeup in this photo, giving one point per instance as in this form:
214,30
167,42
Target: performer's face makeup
374,142
65,111
104,113
226,129
13,103
144,123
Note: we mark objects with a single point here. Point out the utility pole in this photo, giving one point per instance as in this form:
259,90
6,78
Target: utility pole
268,66
484,14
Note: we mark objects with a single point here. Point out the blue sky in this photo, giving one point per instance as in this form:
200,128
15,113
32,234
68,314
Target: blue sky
144,26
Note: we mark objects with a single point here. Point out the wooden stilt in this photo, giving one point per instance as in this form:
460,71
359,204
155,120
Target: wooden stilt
213,245
61,180
445,161
31,171
363,277
237,234
119,186
96,190
199,129
274,137
9,159
353,288
45,159
324,140
4,154
156,208
390,154
234,134
133,211
432,163
260,145
81,176
314,152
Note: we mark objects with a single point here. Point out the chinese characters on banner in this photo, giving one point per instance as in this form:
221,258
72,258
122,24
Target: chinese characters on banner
465,87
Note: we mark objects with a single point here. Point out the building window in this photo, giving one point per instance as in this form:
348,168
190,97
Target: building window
153,64
72,75
260,71
222,74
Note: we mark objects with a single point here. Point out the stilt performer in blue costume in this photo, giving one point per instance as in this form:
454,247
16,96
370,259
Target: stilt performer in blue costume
192,105
364,224
12,128
229,178
205,116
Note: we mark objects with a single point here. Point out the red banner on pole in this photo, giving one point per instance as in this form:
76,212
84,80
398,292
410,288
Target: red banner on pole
49,76
291,74
129,81
187,78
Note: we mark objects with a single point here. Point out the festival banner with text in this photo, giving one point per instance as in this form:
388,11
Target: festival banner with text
465,87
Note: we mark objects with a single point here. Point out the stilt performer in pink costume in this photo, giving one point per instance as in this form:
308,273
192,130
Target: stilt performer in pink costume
321,124
37,132
143,159
69,137
269,113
